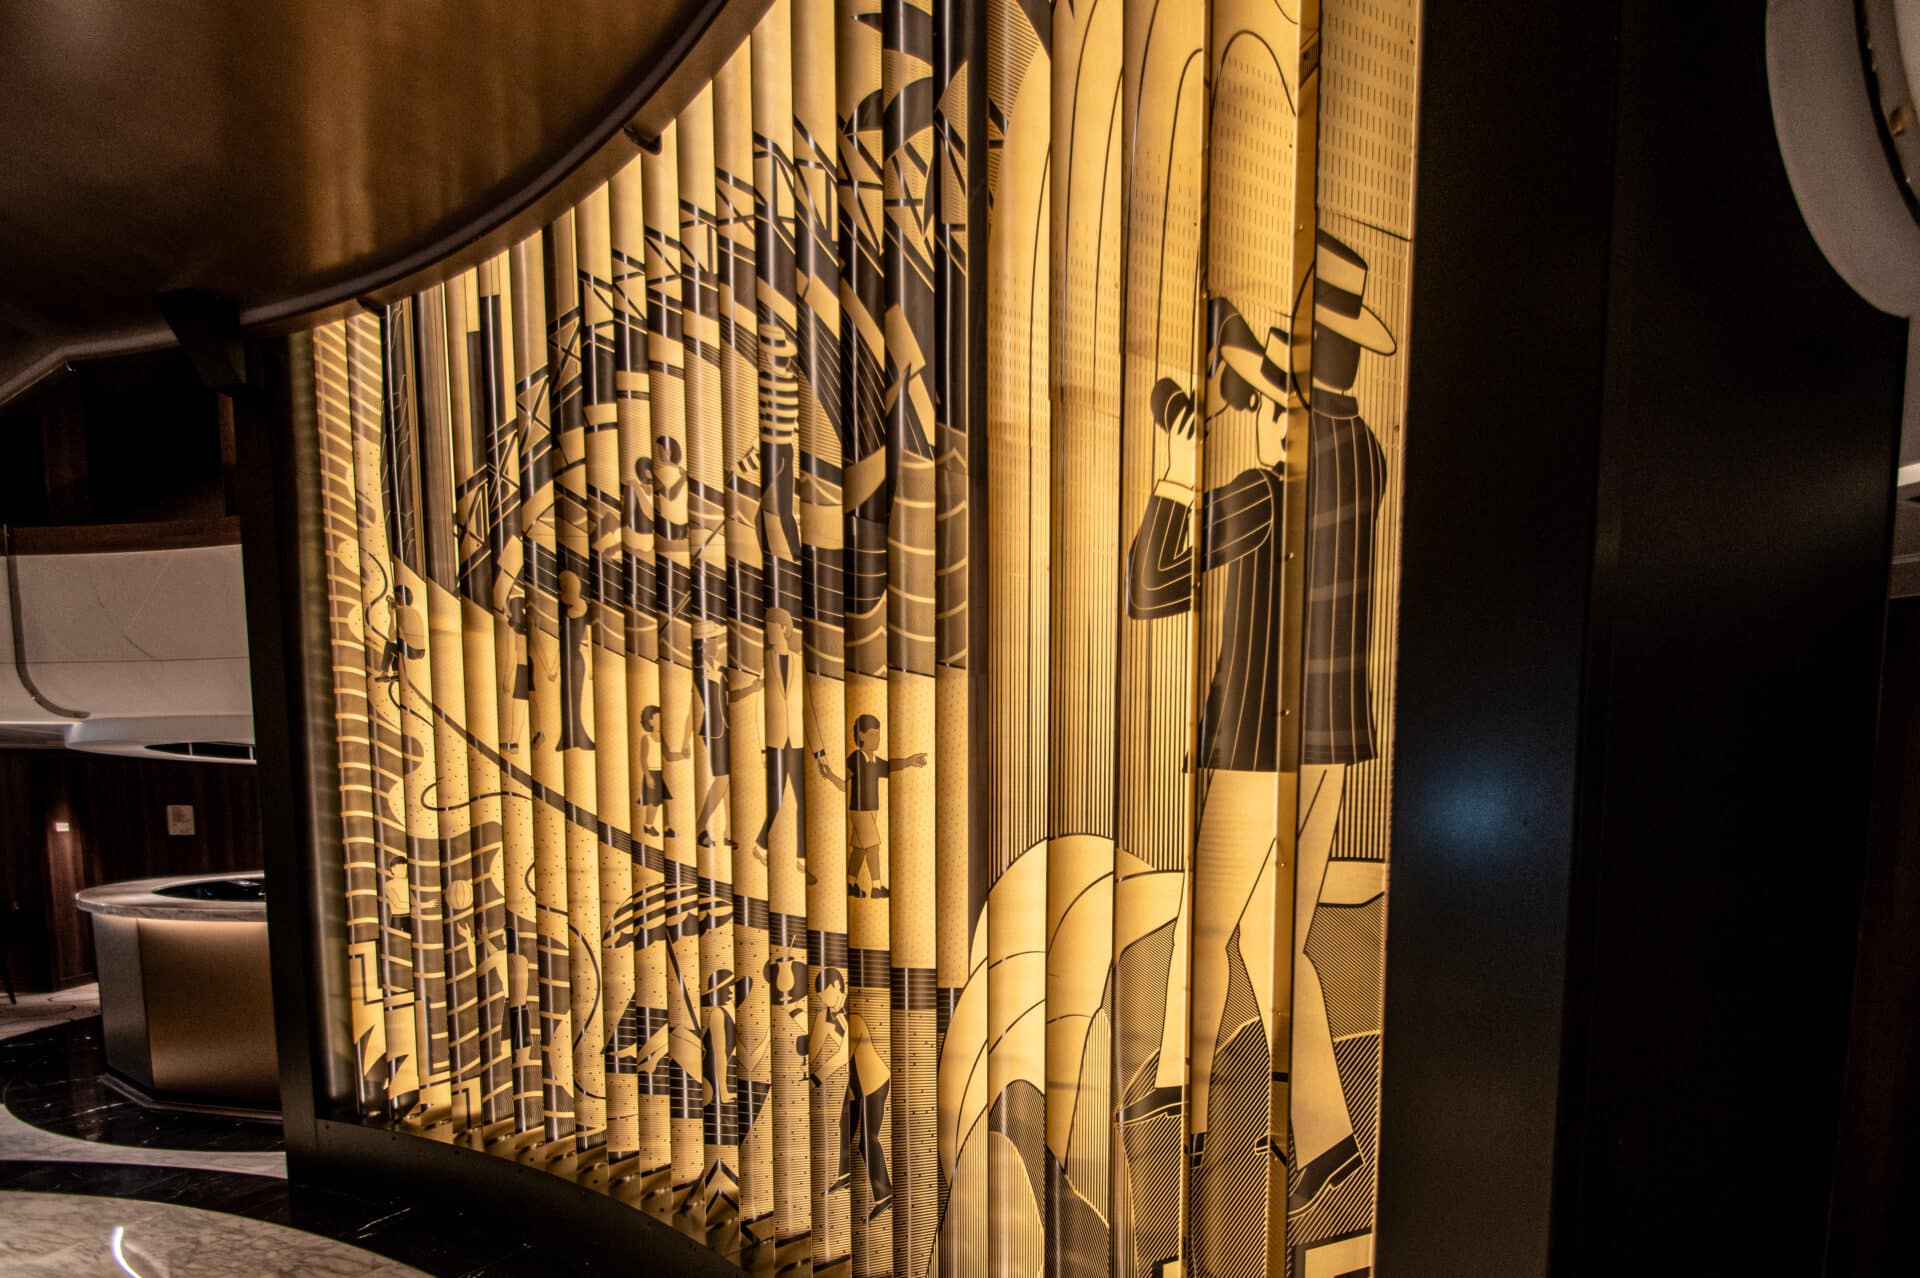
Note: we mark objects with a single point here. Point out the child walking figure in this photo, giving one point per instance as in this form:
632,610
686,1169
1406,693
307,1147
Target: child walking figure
653,784
866,769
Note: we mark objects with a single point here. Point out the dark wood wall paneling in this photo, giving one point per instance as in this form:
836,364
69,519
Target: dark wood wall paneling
1650,449
116,809
24,918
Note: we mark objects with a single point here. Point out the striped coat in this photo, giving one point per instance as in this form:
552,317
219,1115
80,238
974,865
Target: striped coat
1239,528
1346,485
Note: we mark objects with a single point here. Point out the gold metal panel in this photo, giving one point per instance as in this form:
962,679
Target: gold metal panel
904,832
209,998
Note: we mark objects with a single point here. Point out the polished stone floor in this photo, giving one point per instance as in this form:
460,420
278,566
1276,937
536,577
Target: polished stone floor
78,1158
28,1012
446,1245
82,1234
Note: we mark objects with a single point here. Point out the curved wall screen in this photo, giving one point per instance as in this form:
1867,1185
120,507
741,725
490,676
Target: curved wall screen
874,788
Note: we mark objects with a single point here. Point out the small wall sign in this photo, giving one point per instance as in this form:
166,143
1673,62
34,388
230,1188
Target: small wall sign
179,818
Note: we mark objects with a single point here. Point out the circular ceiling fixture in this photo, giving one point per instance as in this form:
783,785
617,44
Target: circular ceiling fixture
1890,52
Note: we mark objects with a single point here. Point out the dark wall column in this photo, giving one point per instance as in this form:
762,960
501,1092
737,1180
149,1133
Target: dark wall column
1649,468
1877,1174
1506,376
282,550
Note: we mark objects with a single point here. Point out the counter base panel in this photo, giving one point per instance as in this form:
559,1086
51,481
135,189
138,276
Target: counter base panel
187,1011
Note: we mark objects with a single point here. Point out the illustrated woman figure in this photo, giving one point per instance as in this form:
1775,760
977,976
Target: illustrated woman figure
517,701
670,494
785,749
575,635
711,725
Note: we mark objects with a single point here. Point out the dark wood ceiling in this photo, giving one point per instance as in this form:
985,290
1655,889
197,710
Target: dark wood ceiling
269,152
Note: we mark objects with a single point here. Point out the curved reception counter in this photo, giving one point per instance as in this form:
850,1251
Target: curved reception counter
186,1000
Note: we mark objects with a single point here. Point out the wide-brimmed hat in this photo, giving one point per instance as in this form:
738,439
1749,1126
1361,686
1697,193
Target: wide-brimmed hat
1262,365
1339,287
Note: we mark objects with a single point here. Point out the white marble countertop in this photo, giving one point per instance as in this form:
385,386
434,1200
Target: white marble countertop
141,899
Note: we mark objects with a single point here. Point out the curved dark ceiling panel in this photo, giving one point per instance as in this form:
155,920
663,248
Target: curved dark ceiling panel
269,153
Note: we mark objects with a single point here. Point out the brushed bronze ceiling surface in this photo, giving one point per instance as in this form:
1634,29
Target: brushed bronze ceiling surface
258,151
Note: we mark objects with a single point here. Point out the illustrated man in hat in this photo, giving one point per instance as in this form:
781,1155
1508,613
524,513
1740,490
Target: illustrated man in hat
841,1037
1249,390
719,1117
1346,485
717,1005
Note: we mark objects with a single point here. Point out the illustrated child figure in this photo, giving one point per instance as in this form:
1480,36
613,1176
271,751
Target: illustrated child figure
653,784
866,769
409,637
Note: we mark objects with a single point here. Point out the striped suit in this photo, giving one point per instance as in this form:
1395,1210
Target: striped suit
1239,531
1346,483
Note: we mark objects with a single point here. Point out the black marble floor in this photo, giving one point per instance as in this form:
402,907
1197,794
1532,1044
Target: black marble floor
54,1080
51,1078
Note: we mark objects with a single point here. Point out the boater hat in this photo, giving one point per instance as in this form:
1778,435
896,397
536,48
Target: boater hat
1261,366
1340,281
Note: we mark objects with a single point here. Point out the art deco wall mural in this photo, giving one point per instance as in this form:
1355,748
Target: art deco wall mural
864,651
